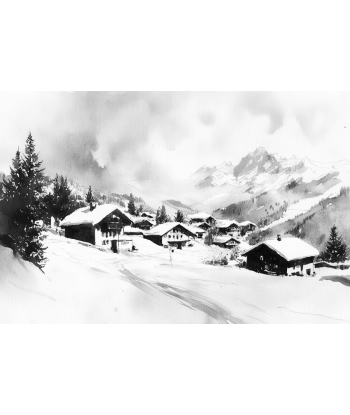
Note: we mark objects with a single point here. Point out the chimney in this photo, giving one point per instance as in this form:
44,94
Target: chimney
279,238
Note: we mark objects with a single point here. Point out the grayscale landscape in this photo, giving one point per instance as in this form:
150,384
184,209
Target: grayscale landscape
175,207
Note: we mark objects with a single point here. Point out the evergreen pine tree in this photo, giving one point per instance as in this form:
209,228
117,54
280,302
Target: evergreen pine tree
140,210
161,216
131,205
64,199
89,198
23,204
179,217
158,217
11,188
336,249
211,234
59,204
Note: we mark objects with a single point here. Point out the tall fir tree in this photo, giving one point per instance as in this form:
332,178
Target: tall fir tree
59,203
179,217
211,234
23,204
158,217
140,210
11,187
64,198
131,205
161,216
89,198
336,249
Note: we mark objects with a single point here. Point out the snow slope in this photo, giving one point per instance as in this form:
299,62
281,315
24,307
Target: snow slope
83,284
235,295
305,205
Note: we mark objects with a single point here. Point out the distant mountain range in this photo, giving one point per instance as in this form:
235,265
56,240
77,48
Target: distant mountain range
302,197
260,171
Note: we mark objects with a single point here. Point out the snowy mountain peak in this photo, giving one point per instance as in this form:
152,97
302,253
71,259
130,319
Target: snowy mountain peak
260,171
258,152
258,161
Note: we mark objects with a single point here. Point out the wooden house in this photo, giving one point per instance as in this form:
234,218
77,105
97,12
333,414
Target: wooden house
226,241
143,223
170,234
148,215
130,230
202,217
247,226
226,226
98,226
197,230
289,256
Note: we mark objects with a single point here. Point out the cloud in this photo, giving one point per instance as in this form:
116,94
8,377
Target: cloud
264,103
207,118
112,138
72,155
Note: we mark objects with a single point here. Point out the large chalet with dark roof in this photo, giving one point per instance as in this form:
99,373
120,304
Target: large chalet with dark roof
170,234
97,226
289,256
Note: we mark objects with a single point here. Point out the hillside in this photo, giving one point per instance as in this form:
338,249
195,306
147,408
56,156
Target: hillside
314,226
81,284
177,205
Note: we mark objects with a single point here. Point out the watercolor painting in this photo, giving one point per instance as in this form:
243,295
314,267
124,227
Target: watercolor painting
175,207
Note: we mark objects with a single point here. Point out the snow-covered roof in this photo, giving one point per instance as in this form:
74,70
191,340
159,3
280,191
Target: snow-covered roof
143,219
84,216
224,223
246,223
200,215
164,228
195,229
152,215
289,248
224,239
198,224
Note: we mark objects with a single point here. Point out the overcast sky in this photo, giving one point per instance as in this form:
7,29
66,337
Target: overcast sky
164,136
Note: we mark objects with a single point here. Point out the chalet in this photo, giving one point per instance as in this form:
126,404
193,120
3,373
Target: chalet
289,256
98,226
247,226
143,223
202,217
148,215
198,231
225,241
130,230
226,226
170,234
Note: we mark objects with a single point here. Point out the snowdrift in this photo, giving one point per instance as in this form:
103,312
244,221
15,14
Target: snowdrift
81,284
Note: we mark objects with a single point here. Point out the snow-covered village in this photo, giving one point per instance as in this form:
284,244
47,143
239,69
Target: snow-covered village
261,240
174,208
